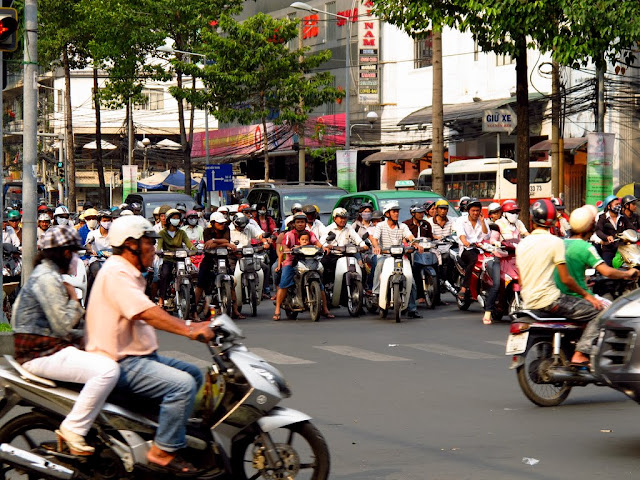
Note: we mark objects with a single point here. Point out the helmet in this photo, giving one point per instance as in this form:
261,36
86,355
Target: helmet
124,212
462,205
164,209
494,207
43,217
156,211
240,221
13,215
217,217
86,205
543,212
116,213
558,203
61,210
198,207
390,206
627,199
581,220
607,201
593,209
365,205
123,206
131,226
42,208
223,209
61,237
473,202
510,206
92,212
253,208
173,211
296,207
307,209
136,206
340,212
299,216
377,215
243,207
105,214
192,213
415,208
428,205
179,206
442,203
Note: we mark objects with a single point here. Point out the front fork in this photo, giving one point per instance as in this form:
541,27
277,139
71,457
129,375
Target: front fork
270,452
557,340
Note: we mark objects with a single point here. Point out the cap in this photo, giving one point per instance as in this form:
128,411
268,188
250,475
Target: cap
61,237
217,217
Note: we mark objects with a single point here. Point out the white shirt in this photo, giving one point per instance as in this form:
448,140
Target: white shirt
194,233
510,231
9,236
343,236
472,234
317,228
250,232
96,241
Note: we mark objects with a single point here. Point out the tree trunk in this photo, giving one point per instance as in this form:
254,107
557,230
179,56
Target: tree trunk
437,157
522,98
186,147
266,149
104,200
71,162
556,175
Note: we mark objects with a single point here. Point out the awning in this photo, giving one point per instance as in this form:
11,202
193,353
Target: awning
104,144
571,144
154,182
462,111
397,156
176,179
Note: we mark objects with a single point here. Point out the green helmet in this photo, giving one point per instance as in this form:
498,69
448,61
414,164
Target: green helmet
14,215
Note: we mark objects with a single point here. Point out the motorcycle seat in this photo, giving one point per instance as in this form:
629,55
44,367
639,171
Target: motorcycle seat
539,315
26,375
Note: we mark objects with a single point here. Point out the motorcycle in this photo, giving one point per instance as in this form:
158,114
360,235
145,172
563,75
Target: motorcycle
249,277
11,271
509,299
541,346
346,288
237,431
305,293
181,296
223,282
396,280
429,263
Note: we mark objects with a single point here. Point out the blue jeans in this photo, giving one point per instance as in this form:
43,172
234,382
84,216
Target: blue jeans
173,382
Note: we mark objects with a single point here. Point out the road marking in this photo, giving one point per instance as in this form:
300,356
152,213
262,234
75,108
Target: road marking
360,353
198,362
497,342
279,358
447,350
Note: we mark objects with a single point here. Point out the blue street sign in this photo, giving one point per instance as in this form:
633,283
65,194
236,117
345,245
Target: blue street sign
219,177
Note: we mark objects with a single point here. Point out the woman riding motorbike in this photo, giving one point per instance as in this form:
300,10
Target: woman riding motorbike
610,223
171,238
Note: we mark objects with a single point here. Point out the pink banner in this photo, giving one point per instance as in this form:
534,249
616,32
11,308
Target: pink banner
324,131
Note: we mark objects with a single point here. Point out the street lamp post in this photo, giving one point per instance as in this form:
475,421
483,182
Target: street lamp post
347,69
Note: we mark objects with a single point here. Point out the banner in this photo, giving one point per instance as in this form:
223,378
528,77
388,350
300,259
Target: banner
346,164
368,55
599,166
129,180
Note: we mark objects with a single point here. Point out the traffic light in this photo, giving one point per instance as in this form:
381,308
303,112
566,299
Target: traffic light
8,27
61,171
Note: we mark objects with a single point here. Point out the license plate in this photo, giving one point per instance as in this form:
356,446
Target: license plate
517,343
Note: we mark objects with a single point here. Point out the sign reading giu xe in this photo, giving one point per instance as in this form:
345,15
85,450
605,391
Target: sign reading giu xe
499,120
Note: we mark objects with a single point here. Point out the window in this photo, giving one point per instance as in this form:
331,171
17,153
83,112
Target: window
505,59
480,185
154,99
536,175
330,21
423,50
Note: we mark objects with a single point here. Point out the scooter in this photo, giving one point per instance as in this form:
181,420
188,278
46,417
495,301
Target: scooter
223,283
346,288
509,299
305,293
11,271
429,263
249,277
185,275
396,280
237,430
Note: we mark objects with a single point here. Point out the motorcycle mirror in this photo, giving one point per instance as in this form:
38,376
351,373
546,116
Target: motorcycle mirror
331,236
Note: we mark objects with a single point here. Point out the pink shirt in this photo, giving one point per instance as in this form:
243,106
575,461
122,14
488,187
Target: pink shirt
116,297
291,240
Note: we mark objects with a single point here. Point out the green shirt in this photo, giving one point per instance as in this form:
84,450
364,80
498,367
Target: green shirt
579,255
167,242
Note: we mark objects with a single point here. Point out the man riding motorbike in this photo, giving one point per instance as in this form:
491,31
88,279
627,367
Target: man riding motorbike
419,228
91,223
538,256
561,226
14,218
44,222
343,234
610,223
121,323
494,210
9,234
97,242
295,208
193,230
471,230
314,225
61,216
629,207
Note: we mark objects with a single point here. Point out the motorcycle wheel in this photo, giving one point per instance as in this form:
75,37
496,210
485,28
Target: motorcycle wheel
291,315
354,302
184,305
515,304
253,300
430,289
306,459
226,302
35,432
314,301
531,376
397,304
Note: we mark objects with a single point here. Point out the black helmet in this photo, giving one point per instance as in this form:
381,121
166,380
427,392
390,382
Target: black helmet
307,209
627,199
428,204
377,215
416,208
240,221
473,202
543,212
365,205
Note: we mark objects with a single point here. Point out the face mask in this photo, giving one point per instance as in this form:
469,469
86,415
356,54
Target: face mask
199,214
174,221
92,224
62,221
511,217
105,225
262,212
366,216
192,221
616,209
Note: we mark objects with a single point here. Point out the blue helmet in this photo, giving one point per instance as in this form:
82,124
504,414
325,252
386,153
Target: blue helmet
607,201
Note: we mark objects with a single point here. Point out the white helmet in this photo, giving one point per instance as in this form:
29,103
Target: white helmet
43,217
494,207
126,212
390,206
223,208
340,212
132,226
217,217
581,220
61,210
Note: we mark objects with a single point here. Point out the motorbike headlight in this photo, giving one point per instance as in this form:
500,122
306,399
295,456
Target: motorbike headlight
302,267
247,251
221,252
396,250
351,249
427,245
181,254
308,250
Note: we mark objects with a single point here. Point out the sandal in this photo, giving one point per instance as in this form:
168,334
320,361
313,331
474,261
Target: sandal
177,466
76,443
486,320
328,315
276,317
238,316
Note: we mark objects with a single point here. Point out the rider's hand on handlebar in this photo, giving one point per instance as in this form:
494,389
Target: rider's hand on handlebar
610,239
376,250
201,332
632,273
594,301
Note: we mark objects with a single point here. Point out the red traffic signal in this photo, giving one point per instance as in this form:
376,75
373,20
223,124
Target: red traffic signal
8,27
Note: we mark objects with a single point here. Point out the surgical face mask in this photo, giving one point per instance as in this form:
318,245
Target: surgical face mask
174,221
192,221
366,216
105,225
92,224
616,209
62,221
511,217
262,212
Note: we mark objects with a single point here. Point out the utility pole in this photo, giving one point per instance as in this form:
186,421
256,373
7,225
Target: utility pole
30,138
600,87
437,147
556,174
302,164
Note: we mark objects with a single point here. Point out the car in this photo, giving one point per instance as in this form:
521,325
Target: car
380,198
151,200
280,196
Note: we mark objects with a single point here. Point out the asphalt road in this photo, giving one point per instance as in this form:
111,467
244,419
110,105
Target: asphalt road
433,398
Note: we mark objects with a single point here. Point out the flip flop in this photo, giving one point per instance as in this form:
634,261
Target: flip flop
238,317
276,317
328,315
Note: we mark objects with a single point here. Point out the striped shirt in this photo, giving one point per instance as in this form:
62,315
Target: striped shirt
388,236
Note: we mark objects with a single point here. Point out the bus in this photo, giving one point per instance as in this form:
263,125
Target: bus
489,179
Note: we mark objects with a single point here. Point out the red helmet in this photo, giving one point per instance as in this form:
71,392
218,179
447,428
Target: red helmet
558,203
243,207
510,206
43,208
543,212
